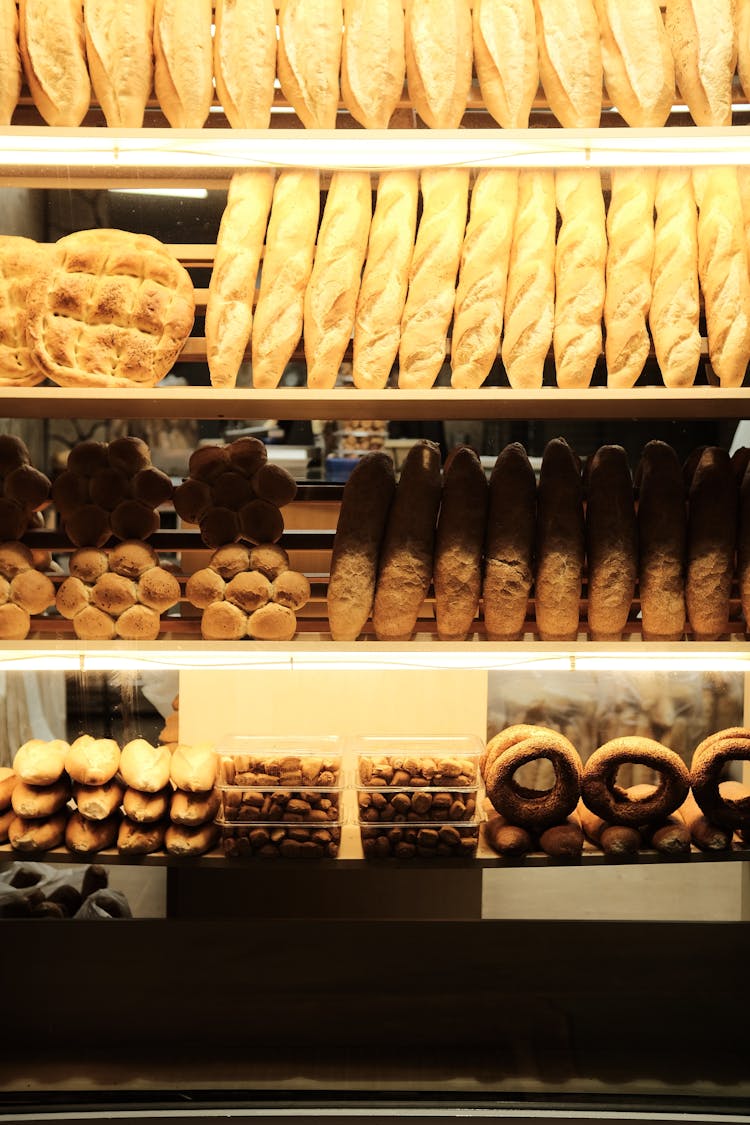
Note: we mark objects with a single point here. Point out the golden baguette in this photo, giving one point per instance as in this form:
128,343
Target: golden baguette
630,258
183,61
53,50
373,64
245,60
570,61
438,60
742,24
309,59
675,299
10,60
506,59
637,58
703,38
119,47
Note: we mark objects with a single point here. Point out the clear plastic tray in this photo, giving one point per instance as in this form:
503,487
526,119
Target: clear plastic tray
429,761
281,761
276,805
429,840
416,805
273,840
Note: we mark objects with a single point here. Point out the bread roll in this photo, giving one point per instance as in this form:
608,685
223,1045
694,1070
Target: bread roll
287,265
711,540
193,809
530,296
438,60
365,504
183,61
310,34
144,766
119,48
245,60
15,623
662,538
505,57
612,543
32,591
432,277
146,808
140,839
181,840
509,549
6,819
97,802
742,25
406,556
704,46
580,260
272,622
723,272
743,550
92,761
459,544
385,281
10,61
637,58
372,60
675,300
8,782
53,50
34,801
193,768
483,277
37,835
41,763
89,836
630,259
331,295
222,621
570,61
559,543
229,309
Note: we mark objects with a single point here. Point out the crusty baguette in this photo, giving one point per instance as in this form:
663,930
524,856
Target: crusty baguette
406,555
385,281
612,543
365,505
459,544
53,50
675,298
580,261
10,60
662,538
287,265
229,309
373,65
119,48
743,547
145,767
483,277
183,61
630,259
723,272
530,295
742,24
509,550
560,541
193,768
309,59
637,58
331,296
570,61
711,541
704,46
245,60
505,57
438,60
432,277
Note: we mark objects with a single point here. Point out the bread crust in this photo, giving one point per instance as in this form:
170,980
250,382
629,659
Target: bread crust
630,259
20,259
53,51
612,543
245,60
570,61
637,58
373,63
662,541
10,61
459,544
602,794
309,58
505,57
675,300
703,38
580,261
711,541
119,50
560,541
438,38
183,61
509,549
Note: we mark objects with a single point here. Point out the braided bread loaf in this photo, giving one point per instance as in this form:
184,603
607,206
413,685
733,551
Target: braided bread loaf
372,60
10,60
580,259
630,227
704,45
570,61
245,61
438,60
183,61
638,65
309,59
505,56
675,300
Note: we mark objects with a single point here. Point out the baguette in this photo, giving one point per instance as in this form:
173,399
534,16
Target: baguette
385,281
630,259
637,58
193,809
229,309
530,296
580,261
505,57
97,802
406,556
363,516
704,46
559,543
711,541
89,836
146,808
459,544
140,839
509,550
287,265
331,295
194,840
742,24
245,60
570,61
309,59
37,835
612,543
34,801
193,768
10,61
119,48
432,277
183,61
675,300
483,277
373,64
438,60
662,538
53,50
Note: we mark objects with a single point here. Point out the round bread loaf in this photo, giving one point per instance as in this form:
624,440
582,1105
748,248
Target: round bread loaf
291,589
158,589
272,623
270,559
222,621
139,623
88,564
113,594
72,596
204,587
249,591
192,499
92,624
69,491
15,623
132,558
32,591
230,560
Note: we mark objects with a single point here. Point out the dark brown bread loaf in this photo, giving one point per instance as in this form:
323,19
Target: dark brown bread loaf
743,548
507,839
711,540
88,836
509,549
560,540
662,534
459,544
613,839
611,542
563,841
705,835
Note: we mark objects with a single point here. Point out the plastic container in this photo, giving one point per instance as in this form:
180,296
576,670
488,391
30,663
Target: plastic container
250,761
430,762
278,805
415,805
277,841
420,841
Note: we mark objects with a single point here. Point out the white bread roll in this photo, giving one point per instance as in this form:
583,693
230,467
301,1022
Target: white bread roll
530,296
742,24
310,34
385,281
92,761
723,272
287,265
193,768
373,65
438,60
53,50
704,46
40,763
183,61
331,297
637,58
506,58
432,277
10,60
570,61
145,767
119,48
630,258
229,309
580,260
675,299
483,277
245,60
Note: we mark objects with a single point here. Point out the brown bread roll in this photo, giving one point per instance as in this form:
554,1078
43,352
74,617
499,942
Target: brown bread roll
139,623
630,259
140,839
8,781
131,559
309,59
272,622
14,623
704,46
711,540
373,65
705,835
248,591
509,547
193,768
193,809
565,840
459,544
145,767
222,621
438,40
41,763
183,61
507,839
34,801
97,802
291,589
505,57
182,840
570,61
89,836
406,555
204,587
146,808
92,761
560,539
7,816
662,541
743,548
613,839
32,591
675,299
637,57
158,589
10,61
671,837
37,835
119,50
616,805
612,543
245,60
53,50
128,454
274,484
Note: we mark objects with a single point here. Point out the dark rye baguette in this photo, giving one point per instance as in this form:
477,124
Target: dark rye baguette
743,548
612,543
459,544
662,537
711,540
509,546
560,540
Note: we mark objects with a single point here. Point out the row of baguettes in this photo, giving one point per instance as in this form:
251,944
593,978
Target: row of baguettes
683,543
495,263
361,51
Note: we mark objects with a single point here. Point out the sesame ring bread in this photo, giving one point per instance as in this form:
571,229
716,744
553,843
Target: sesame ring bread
113,309
20,261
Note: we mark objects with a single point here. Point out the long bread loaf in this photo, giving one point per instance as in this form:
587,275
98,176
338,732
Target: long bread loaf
373,65
570,61
459,544
559,543
630,259
10,61
611,543
675,299
704,46
245,60
742,25
438,60
309,58
509,549
183,61
662,539
119,49
743,548
505,57
711,541
53,50
580,260
637,58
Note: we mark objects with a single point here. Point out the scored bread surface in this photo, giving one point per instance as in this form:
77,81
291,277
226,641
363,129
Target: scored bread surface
10,60
20,260
309,59
53,50
245,61
119,48
372,62
183,61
